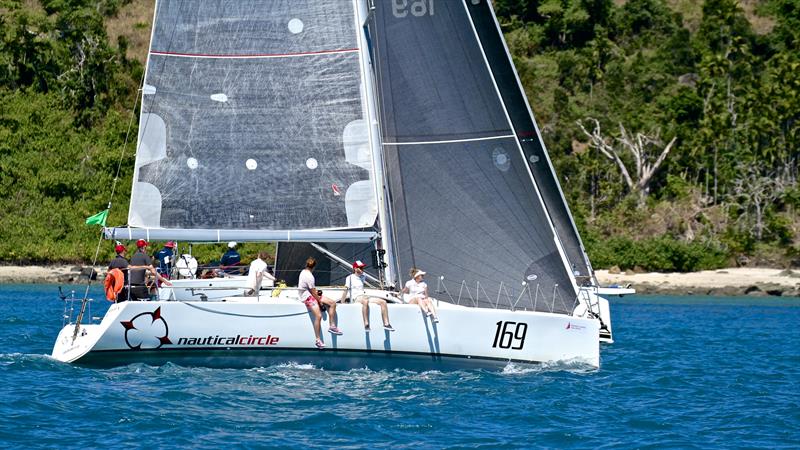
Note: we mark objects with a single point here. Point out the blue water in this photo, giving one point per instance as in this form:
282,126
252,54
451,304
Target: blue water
685,372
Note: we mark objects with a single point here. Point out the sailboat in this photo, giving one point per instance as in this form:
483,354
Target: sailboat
395,132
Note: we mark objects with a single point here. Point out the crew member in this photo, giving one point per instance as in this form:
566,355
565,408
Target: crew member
139,263
315,301
165,258
355,291
258,270
121,263
230,260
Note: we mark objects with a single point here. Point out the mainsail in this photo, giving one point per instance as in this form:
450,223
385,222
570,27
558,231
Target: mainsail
253,124
464,201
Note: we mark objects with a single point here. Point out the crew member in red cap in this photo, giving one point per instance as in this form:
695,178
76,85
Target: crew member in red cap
119,262
355,291
140,261
165,257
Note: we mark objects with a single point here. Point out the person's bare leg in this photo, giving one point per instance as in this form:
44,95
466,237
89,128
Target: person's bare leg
365,311
317,320
384,310
331,311
433,308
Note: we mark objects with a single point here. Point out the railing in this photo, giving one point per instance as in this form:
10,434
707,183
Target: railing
529,299
69,307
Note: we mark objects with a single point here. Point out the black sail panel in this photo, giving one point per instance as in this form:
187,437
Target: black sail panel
529,137
464,206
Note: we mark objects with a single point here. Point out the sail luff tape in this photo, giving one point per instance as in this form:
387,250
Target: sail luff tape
130,234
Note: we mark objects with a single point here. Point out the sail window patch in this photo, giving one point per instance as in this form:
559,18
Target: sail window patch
311,163
219,98
501,159
192,163
251,164
296,26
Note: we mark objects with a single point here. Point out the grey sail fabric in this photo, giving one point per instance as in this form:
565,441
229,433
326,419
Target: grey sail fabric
525,128
464,205
253,119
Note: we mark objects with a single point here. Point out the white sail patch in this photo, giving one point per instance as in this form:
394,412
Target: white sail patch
152,140
251,164
192,163
311,163
145,210
360,204
222,98
148,90
355,139
296,26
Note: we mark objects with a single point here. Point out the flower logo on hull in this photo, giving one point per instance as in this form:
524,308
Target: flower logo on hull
146,331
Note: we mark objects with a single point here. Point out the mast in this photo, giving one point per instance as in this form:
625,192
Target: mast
389,272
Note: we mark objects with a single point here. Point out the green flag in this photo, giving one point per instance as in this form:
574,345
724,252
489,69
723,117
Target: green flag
98,219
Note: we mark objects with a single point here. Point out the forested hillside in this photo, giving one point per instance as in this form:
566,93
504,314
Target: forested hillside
674,125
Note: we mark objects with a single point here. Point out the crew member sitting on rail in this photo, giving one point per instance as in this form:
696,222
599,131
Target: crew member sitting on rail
355,291
315,302
418,291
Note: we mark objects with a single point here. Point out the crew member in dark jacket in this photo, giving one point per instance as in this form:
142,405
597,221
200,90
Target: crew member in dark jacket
165,258
230,260
122,264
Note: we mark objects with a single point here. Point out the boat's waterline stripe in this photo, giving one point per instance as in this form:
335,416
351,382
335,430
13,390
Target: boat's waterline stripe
329,351
253,56
452,141
244,315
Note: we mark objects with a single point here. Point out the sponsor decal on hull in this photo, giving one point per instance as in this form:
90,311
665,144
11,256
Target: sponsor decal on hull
146,331
149,331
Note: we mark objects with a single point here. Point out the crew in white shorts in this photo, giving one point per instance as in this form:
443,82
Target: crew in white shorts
418,291
355,291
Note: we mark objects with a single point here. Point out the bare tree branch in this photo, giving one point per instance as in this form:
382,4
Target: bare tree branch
637,145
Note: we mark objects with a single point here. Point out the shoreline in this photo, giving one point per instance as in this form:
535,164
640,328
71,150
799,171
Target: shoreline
751,281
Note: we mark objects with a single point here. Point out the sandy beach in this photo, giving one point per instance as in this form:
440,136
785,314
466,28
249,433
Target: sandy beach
734,281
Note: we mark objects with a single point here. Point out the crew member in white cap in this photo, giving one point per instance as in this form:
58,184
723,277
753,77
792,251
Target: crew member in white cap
355,291
418,291
230,260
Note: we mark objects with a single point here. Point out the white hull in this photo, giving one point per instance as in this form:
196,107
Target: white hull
247,332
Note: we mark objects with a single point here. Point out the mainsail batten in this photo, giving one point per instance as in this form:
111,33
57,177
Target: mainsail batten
253,119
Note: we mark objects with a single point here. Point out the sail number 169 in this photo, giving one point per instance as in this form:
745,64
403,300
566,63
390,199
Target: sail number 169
417,8
510,333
